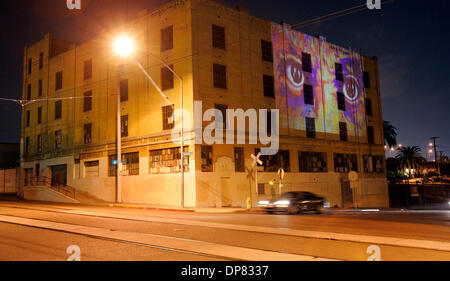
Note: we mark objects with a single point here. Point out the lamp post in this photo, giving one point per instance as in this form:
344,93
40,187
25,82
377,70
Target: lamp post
124,47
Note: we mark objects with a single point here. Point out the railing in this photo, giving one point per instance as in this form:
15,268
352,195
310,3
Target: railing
45,181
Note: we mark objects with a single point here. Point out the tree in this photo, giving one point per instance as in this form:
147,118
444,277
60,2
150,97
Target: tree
390,134
409,158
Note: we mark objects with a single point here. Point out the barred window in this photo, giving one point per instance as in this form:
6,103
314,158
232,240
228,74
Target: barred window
308,94
220,76
87,133
266,51
239,161
58,110
130,164
373,164
166,78
269,88
340,101
306,62
167,38
207,158
58,139
168,118
168,160
343,131
218,37
312,162
261,189
310,127
39,143
124,126
88,69
272,163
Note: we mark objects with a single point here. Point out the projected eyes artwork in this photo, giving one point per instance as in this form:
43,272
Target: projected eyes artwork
303,62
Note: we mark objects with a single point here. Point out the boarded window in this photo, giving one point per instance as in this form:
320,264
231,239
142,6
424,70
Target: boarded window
124,126
168,160
91,169
167,38
207,158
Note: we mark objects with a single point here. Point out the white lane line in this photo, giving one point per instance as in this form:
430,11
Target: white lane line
379,240
213,249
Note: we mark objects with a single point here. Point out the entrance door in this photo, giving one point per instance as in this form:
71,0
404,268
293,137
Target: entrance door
347,194
59,175
226,192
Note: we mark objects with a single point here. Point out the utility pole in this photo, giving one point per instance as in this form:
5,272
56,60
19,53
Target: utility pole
436,154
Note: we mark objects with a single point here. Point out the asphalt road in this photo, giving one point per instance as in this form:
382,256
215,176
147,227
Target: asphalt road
105,233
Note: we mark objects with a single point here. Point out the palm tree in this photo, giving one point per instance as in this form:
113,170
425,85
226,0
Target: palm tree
390,133
409,157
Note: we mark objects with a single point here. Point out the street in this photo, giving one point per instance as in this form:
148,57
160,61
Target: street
43,231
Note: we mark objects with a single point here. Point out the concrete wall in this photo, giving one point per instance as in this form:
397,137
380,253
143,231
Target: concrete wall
9,180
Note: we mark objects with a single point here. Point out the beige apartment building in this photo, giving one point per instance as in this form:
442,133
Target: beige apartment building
228,59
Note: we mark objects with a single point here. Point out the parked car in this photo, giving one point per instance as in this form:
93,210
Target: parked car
294,202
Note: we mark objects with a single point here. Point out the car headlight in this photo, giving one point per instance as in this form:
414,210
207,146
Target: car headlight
326,204
264,202
282,203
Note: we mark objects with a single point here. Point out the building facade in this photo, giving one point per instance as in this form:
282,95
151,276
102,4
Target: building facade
328,99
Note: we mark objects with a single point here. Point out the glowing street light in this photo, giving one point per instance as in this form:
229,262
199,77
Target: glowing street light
124,46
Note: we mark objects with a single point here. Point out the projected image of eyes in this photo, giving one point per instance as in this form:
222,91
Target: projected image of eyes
351,88
294,74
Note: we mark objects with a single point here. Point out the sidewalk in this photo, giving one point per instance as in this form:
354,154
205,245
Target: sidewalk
179,209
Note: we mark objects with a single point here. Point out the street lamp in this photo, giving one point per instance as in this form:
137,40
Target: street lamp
124,47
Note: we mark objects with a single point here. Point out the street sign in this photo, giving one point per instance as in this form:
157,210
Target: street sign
255,164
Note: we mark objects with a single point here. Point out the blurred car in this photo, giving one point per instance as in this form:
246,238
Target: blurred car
294,202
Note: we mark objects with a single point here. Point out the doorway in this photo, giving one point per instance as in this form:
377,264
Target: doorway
347,194
59,175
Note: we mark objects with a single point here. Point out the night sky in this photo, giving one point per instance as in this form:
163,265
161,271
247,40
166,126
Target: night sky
410,38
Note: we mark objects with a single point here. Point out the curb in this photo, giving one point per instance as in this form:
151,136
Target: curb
149,208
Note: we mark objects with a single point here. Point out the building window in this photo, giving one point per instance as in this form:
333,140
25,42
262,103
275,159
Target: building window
40,88
58,139
88,133
220,76
312,162
266,50
366,80
130,164
87,101
168,160
29,65
345,163
272,163
124,126
310,127
167,78
261,189
27,145
167,38
91,169
369,107
88,69
306,62
167,117
58,110
58,80
207,158
223,109
39,117
343,131
28,118
373,164
308,94
239,161
29,92
41,60
39,143
124,90
269,122
339,72
340,101
370,135
218,37
269,88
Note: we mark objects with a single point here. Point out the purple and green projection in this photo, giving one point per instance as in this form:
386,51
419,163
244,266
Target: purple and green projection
303,62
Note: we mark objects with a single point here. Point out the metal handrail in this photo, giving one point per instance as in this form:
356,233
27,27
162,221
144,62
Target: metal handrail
66,190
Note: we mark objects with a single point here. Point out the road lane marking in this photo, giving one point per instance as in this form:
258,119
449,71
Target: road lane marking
368,239
194,246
